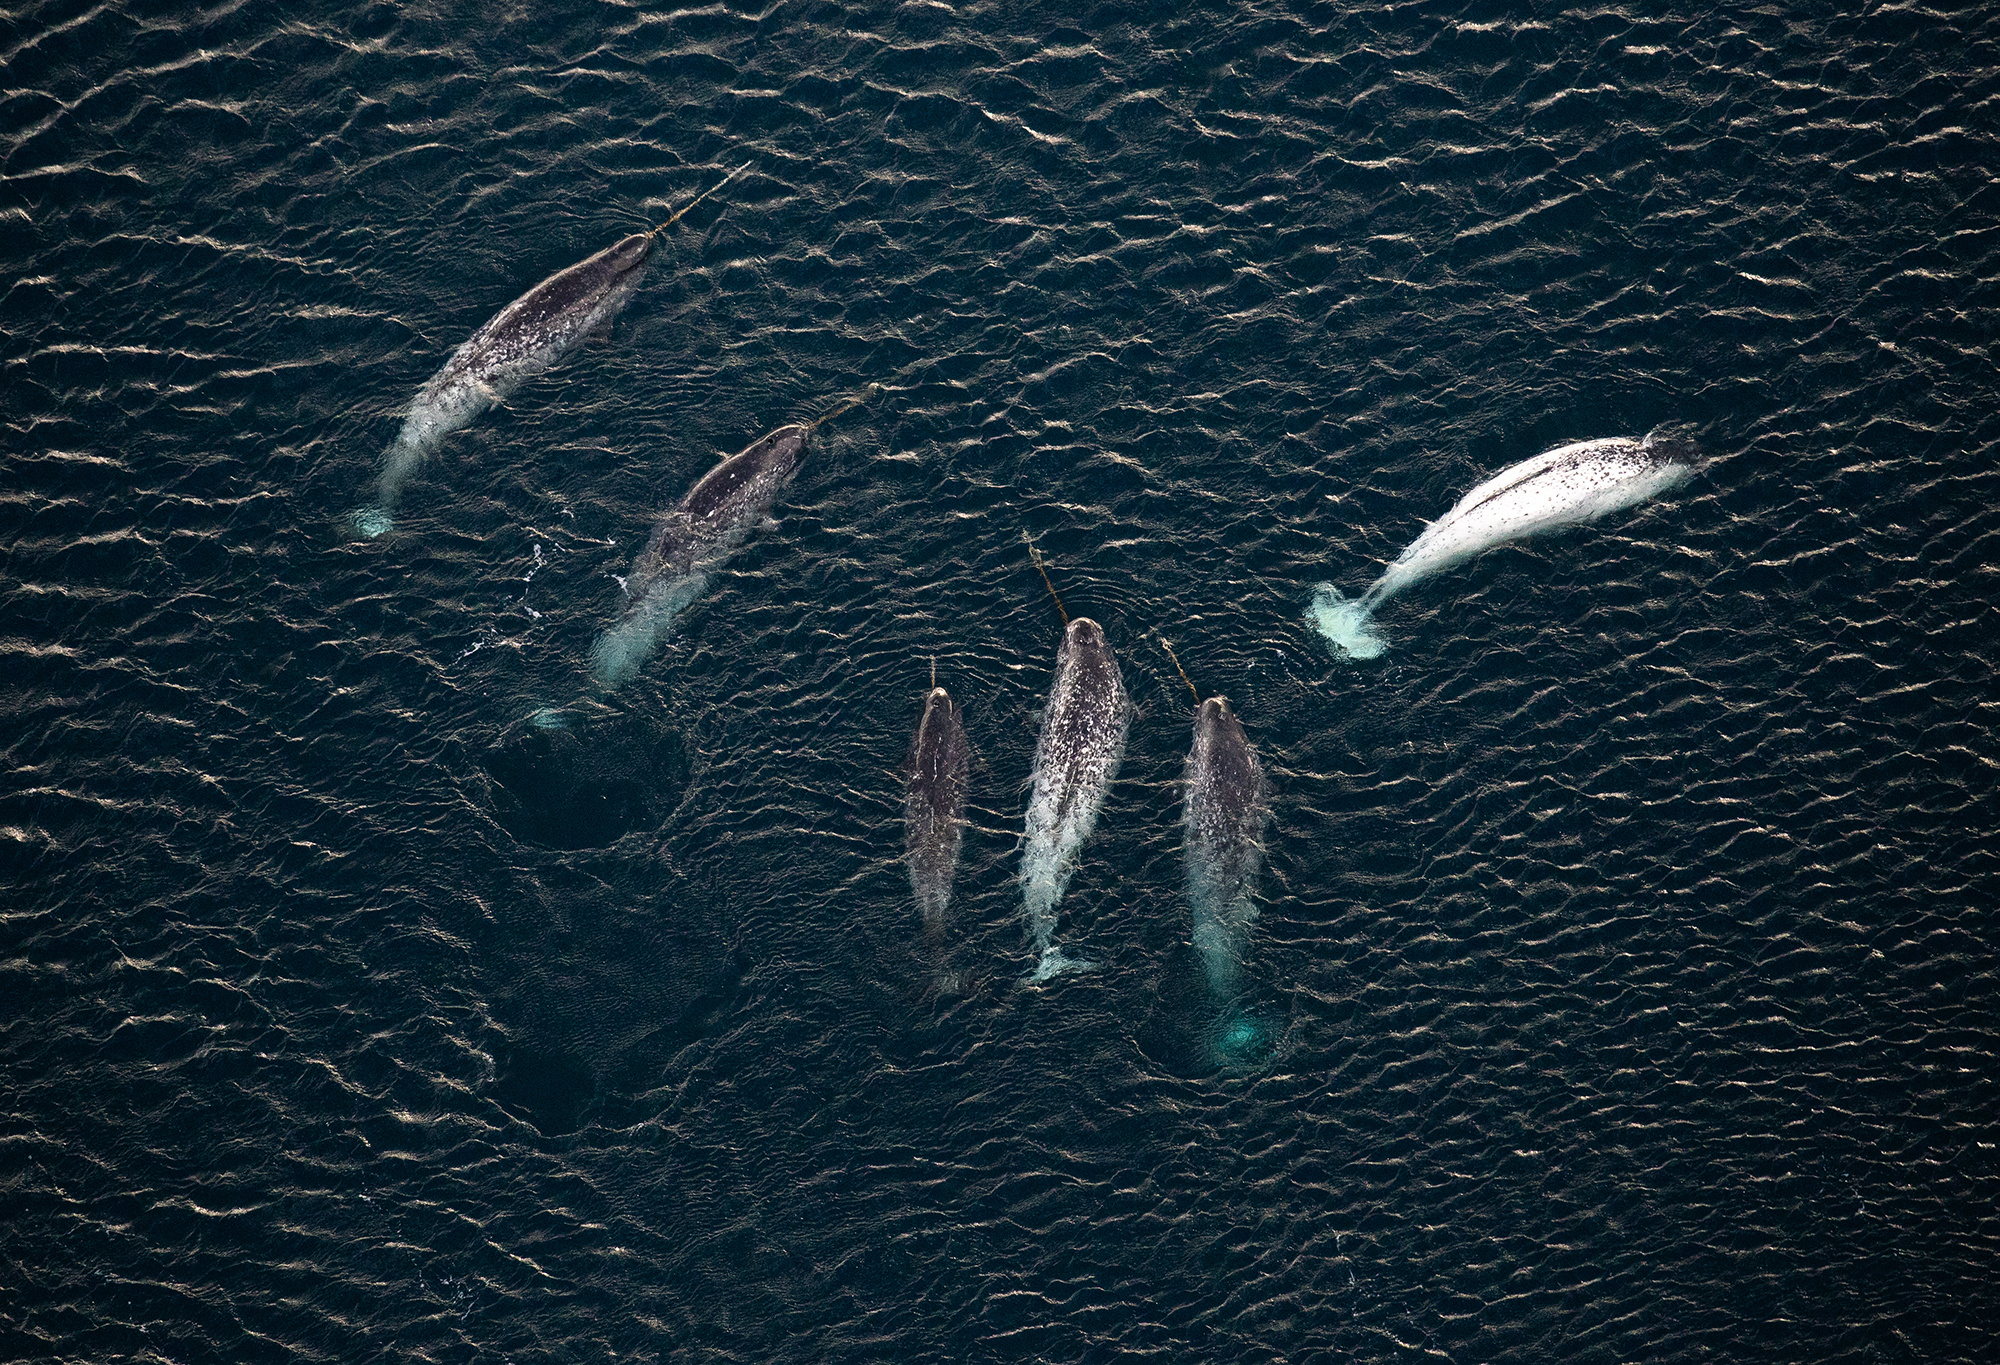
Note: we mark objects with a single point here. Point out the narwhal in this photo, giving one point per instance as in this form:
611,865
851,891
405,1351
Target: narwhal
934,813
1225,808
529,335
1222,832
1077,756
1561,487
694,538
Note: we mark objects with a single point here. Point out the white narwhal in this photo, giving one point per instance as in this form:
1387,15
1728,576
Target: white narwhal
1561,487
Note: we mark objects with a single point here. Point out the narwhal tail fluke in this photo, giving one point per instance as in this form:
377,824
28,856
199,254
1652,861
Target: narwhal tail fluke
1055,962
1220,946
1347,623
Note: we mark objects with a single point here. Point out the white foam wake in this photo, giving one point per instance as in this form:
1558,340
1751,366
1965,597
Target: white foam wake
1347,623
1055,962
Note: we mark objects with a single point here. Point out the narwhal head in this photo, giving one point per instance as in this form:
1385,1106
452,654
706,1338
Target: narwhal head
782,449
1216,724
1666,447
940,742
630,254
1084,634
1086,657
936,705
1222,759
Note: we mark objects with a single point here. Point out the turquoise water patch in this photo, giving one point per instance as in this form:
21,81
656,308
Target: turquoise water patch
1245,1039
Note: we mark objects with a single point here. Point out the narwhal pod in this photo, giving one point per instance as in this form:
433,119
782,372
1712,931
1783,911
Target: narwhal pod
523,339
693,539
1226,808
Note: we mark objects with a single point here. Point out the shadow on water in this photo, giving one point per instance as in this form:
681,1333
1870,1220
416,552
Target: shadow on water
580,1055
605,964
568,780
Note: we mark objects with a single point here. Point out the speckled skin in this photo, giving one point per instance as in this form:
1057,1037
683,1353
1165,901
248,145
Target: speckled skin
523,339
1222,832
1561,487
689,542
718,513
1081,747
934,806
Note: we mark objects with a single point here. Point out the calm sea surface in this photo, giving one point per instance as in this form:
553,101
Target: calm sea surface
375,986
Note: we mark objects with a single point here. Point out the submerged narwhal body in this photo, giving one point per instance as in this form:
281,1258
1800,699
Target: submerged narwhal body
692,540
1222,824
1562,487
934,812
523,339
1081,746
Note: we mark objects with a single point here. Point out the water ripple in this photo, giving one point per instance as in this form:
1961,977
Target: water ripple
1626,951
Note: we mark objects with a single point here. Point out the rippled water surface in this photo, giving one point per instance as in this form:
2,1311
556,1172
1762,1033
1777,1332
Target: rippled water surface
379,986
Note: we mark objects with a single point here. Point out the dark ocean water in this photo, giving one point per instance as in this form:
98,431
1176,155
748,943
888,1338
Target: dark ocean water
373,986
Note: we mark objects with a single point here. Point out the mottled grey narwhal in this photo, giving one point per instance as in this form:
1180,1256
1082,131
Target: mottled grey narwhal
1227,805
528,336
935,782
1078,754
692,540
